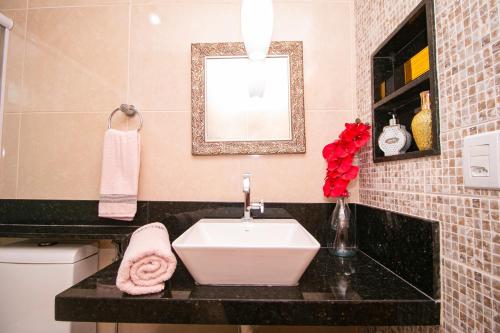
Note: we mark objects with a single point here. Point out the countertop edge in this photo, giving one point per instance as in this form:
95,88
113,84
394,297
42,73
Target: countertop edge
97,299
251,312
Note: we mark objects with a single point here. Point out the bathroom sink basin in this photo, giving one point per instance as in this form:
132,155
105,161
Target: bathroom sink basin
272,252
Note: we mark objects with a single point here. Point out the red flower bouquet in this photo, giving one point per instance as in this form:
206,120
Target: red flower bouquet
339,155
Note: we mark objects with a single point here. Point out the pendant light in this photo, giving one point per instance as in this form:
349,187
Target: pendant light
257,30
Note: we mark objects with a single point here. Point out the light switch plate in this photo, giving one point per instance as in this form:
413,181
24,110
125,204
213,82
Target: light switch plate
481,160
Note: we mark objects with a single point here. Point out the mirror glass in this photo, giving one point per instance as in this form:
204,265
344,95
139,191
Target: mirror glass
232,115
227,120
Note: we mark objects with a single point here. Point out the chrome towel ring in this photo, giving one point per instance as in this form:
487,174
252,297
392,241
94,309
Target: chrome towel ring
130,111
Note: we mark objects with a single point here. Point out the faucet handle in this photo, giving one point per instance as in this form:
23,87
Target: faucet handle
261,203
258,205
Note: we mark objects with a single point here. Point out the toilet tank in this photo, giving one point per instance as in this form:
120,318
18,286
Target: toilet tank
32,274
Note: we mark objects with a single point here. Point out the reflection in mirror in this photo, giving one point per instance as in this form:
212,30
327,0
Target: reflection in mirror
232,115
227,120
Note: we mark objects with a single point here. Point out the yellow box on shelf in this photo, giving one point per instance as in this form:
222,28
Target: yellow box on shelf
417,65
382,89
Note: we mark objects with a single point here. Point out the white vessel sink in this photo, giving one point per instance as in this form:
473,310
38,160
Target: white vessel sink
267,252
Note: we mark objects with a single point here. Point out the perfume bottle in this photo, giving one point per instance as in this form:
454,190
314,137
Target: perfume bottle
395,139
421,125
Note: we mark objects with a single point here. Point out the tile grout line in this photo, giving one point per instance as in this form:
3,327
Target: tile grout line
23,93
127,97
353,60
172,110
442,142
459,195
110,4
103,111
328,109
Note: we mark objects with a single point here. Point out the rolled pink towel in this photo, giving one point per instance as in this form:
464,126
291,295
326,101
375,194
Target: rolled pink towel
148,261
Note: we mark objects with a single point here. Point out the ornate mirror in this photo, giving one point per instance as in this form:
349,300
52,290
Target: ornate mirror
227,117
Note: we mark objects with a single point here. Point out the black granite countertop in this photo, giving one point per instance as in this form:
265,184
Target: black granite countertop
67,232
332,291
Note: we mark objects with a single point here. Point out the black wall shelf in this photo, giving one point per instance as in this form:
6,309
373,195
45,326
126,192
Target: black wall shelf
412,35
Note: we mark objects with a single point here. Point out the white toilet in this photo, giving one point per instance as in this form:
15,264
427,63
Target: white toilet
32,274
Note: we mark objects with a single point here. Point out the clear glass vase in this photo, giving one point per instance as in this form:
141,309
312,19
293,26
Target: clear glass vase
342,242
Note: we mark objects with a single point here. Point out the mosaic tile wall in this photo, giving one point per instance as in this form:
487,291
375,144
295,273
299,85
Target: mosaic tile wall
468,64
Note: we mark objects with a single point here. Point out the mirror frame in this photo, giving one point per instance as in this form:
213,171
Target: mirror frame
294,51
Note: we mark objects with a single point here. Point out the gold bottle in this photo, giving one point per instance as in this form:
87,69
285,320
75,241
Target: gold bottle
421,125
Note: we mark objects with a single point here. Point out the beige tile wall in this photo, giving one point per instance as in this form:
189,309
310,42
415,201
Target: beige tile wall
468,64
73,61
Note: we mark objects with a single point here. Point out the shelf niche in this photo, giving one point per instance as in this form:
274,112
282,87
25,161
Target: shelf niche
414,34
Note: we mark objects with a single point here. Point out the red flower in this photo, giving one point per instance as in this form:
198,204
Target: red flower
357,133
339,156
339,149
344,148
328,150
341,165
335,187
351,173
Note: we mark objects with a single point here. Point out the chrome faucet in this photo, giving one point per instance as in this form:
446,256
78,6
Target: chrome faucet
247,205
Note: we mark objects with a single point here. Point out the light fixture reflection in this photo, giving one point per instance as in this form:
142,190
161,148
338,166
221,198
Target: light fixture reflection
256,78
154,19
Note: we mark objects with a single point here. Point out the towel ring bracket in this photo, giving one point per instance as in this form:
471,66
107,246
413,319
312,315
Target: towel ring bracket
130,111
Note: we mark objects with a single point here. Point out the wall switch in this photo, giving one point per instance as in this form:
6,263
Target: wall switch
481,160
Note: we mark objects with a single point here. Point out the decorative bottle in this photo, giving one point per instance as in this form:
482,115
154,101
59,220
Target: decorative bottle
421,125
395,139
